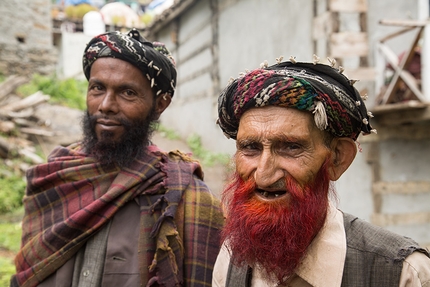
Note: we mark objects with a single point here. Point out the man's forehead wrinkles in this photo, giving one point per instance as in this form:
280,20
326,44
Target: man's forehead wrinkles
271,137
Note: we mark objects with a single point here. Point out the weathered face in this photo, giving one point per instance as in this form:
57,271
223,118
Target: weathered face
276,142
117,90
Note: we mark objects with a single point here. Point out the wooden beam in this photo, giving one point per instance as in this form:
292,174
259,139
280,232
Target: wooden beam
400,73
395,34
400,219
346,44
404,23
10,84
361,74
409,187
348,6
322,26
399,107
401,113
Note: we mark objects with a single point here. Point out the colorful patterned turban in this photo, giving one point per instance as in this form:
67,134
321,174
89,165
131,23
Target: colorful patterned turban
153,59
337,106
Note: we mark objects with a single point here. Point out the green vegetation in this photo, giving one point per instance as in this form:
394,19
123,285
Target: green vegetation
10,237
207,158
7,269
69,92
12,190
10,240
77,12
168,133
194,142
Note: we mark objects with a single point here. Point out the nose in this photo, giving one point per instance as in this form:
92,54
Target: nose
268,172
108,104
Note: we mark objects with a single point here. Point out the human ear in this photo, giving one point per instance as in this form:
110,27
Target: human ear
161,103
343,153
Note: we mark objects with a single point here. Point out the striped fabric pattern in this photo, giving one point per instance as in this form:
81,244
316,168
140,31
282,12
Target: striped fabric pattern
301,86
71,197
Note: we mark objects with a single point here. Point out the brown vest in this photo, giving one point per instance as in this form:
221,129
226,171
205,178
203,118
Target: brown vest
374,257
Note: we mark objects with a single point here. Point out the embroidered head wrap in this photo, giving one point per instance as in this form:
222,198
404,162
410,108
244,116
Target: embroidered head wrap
318,88
153,59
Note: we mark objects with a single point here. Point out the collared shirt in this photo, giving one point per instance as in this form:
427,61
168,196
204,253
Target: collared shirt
323,264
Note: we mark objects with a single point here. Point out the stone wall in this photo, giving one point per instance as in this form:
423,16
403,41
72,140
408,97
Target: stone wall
26,41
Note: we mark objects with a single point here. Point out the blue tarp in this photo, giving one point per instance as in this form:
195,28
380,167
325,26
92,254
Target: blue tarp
154,4
73,2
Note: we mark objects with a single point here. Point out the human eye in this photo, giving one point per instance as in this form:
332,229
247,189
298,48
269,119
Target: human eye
248,147
95,88
289,148
129,94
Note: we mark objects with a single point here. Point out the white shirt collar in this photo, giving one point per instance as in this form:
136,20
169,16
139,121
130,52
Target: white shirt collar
323,263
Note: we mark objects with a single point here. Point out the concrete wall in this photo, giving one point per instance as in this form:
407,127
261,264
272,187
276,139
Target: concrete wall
26,41
216,43
71,48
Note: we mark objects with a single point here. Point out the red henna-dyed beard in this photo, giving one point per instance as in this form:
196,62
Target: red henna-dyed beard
274,234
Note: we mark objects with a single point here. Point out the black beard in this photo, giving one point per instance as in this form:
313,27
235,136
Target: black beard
131,145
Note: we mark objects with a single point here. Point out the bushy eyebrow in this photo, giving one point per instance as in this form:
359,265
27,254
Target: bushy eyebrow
252,139
123,86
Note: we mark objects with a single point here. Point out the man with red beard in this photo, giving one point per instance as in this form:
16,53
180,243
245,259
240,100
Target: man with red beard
295,126
114,209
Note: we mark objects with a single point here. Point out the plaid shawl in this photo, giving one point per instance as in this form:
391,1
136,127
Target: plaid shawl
71,197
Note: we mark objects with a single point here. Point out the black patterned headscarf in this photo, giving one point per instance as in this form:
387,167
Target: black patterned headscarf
153,59
321,89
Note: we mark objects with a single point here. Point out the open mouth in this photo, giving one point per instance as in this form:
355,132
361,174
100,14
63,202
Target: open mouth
271,194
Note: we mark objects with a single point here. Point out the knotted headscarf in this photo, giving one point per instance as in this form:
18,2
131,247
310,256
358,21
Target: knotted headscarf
153,59
318,88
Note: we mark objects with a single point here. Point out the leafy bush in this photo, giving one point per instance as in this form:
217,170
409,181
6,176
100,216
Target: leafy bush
208,158
10,236
12,191
7,269
168,133
69,92
10,240
78,11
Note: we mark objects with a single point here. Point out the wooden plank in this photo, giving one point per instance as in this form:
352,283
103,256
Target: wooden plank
410,187
401,74
10,84
399,132
348,6
398,116
400,219
404,23
393,60
361,74
398,107
347,44
388,54
395,34
30,101
322,26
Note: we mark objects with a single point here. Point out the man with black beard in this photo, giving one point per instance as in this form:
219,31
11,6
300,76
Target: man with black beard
114,209
295,126
130,145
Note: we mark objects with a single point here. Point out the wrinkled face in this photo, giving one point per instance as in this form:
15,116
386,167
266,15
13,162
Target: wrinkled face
275,142
117,90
